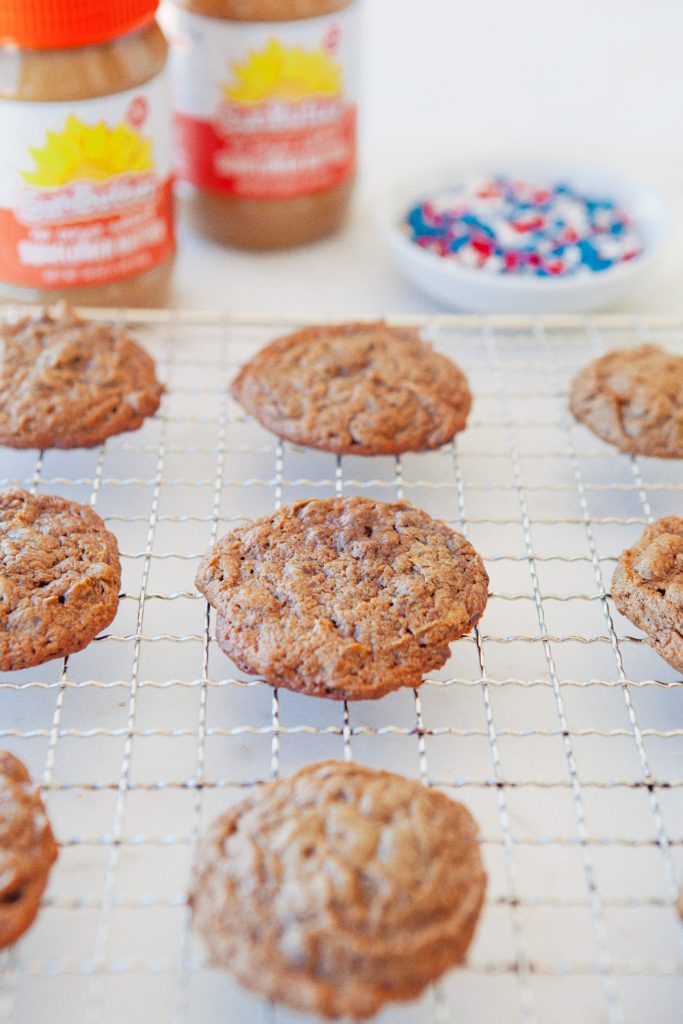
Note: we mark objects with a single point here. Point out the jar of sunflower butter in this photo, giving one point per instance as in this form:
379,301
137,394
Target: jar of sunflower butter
265,116
86,206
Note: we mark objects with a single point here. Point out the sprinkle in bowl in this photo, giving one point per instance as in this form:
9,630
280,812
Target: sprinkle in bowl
525,238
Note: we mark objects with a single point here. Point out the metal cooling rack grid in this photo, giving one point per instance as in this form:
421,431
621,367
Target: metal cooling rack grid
555,724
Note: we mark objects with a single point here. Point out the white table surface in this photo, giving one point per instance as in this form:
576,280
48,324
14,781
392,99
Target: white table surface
444,81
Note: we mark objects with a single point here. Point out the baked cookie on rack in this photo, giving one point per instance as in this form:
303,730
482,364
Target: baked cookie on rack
70,383
633,398
59,578
339,889
345,598
27,849
356,389
647,587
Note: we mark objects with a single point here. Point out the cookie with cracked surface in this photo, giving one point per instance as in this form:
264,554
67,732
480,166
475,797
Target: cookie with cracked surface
355,388
345,598
27,849
59,578
71,383
339,889
633,398
647,587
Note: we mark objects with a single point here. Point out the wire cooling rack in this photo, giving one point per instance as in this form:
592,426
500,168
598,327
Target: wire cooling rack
554,722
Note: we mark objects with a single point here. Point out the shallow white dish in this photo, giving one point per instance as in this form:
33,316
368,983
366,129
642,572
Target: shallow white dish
467,288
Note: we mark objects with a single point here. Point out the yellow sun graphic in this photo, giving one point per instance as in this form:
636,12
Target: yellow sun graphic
88,152
284,73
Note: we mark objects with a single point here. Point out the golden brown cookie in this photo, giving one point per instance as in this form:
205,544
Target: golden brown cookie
70,383
27,849
345,598
339,889
355,388
59,578
633,398
647,587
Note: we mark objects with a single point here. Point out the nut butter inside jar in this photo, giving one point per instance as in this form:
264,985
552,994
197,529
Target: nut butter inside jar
265,117
86,207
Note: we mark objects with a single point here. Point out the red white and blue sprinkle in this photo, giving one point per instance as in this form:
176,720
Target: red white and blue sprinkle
508,226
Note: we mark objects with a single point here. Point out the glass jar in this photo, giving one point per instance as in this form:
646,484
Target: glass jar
265,105
86,205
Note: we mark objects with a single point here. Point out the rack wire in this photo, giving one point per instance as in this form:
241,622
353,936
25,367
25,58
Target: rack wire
554,722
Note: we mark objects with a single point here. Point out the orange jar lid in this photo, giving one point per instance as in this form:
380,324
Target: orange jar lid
57,24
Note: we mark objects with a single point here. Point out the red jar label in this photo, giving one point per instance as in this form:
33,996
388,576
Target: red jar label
265,110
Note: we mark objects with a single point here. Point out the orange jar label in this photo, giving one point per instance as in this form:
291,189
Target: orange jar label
85,189
265,109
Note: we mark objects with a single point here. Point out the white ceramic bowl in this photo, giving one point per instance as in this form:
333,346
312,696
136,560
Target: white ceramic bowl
467,288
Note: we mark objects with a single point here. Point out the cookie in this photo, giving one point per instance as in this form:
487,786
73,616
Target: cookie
647,587
345,598
27,849
71,383
59,578
339,889
633,398
356,388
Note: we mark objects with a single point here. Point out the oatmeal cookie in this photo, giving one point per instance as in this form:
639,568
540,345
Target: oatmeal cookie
633,398
345,598
355,388
71,383
59,578
647,587
27,849
339,889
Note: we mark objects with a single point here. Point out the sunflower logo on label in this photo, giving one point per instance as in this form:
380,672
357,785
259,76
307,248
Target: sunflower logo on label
87,171
292,74
90,205
283,124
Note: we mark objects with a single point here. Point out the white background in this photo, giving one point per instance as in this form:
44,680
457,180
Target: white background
444,80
